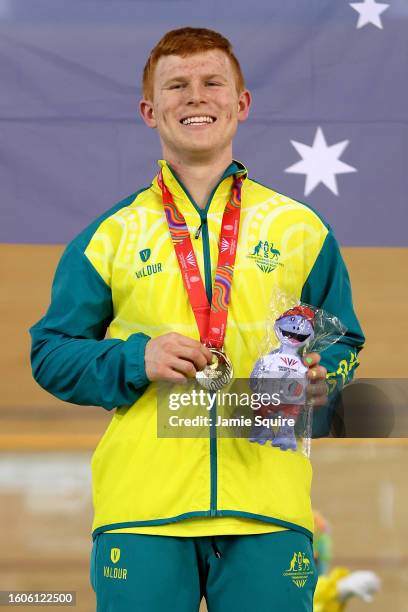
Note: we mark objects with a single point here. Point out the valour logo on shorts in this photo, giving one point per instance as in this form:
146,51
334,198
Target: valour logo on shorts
117,573
299,569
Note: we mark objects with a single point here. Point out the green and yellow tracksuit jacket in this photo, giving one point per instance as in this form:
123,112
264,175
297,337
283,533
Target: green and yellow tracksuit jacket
121,275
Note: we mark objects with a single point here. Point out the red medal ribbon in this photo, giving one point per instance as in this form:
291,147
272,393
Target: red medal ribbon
211,321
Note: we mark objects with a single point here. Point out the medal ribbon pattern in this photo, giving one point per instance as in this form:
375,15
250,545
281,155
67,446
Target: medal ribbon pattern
211,320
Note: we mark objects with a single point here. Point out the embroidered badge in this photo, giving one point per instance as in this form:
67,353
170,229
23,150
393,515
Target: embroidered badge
265,256
299,569
115,555
144,254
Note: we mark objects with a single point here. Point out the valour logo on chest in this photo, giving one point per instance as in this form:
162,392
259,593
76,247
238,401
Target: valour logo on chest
145,254
152,268
148,270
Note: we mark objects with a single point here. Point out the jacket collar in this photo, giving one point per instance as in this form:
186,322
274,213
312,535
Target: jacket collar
180,192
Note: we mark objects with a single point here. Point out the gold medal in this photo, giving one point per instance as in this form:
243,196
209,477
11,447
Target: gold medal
218,374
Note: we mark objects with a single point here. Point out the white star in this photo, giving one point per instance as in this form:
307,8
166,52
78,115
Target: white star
320,163
369,12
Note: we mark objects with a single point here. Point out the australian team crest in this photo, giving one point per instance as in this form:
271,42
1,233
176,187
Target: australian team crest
265,256
299,569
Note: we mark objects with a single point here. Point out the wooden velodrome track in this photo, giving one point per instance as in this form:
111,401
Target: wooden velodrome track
45,445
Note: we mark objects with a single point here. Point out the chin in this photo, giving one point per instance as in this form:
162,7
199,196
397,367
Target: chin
200,149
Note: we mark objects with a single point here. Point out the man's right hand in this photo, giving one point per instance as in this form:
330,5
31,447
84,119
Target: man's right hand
175,358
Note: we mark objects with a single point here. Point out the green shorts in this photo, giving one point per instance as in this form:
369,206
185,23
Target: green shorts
270,572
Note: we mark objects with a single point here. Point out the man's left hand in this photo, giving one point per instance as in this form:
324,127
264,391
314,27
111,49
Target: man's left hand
317,388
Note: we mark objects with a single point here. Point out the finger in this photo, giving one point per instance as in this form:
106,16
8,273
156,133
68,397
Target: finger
315,390
185,341
195,355
165,373
318,401
173,376
177,339
184,367
208,354
311,359
317,373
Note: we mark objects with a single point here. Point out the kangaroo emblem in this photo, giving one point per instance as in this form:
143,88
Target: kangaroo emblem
265,256
293,563
257,248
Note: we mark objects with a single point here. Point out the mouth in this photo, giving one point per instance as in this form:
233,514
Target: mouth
198,120
294,337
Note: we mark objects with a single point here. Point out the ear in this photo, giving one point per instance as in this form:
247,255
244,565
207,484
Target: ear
244,104
147,113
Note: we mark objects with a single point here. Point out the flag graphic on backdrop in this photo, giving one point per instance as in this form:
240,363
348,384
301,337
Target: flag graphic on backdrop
328,124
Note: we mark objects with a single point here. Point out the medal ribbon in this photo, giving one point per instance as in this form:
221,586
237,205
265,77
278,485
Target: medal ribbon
211,321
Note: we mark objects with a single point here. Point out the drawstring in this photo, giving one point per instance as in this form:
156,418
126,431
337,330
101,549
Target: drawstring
198,232
215,547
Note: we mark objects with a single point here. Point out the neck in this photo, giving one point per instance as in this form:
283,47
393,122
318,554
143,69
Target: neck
200,178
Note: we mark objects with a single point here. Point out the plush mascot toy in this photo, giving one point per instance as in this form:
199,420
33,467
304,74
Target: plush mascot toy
282,371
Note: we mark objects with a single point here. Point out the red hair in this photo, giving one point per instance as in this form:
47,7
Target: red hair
185,42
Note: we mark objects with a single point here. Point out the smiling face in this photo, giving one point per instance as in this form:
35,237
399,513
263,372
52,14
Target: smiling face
294,330
196,107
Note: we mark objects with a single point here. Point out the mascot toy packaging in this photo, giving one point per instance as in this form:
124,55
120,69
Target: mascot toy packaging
280,372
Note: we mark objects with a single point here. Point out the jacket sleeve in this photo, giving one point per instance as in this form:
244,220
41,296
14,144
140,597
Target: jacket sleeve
70,356
328,287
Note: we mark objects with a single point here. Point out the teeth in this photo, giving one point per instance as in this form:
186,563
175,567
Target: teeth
201,119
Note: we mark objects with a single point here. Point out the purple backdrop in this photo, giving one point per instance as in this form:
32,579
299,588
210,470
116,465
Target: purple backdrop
322,73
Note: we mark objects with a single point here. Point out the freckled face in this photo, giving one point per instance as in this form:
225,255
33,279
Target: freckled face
196,107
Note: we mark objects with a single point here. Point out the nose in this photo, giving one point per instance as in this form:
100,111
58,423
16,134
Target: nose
195,93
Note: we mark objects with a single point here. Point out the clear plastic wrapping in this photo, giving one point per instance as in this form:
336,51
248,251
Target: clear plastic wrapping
293,329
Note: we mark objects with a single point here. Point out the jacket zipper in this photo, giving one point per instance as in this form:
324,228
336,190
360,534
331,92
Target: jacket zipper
203,230
213,412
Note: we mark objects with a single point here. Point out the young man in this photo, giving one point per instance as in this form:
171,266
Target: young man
178,519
